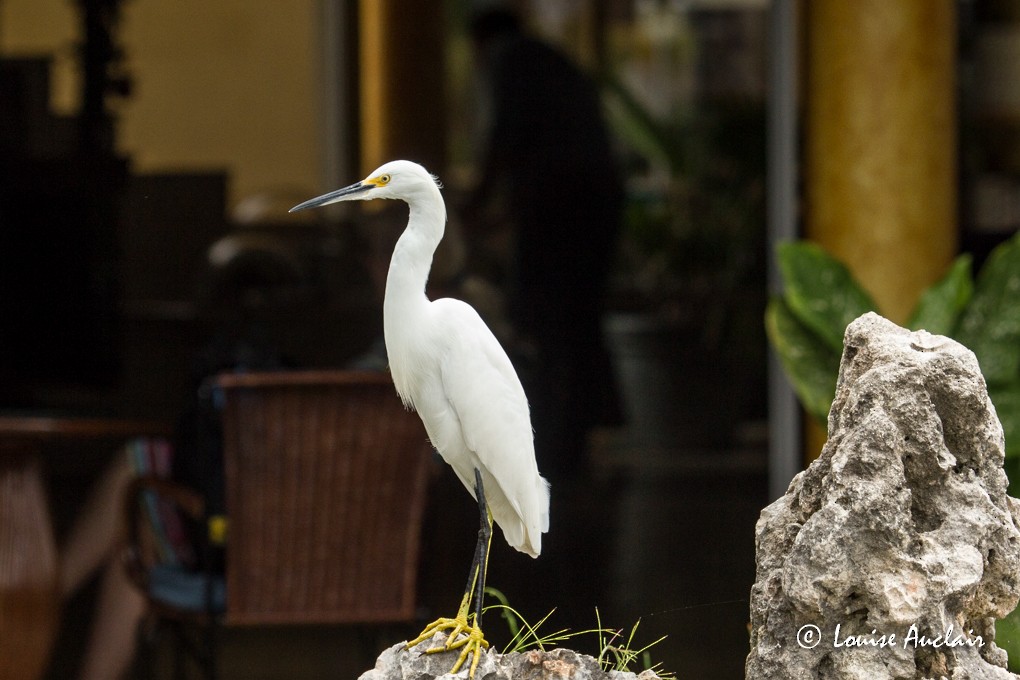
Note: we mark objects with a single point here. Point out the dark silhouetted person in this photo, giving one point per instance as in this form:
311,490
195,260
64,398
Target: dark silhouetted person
548,171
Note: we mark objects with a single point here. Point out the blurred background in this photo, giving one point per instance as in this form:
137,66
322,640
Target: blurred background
148,147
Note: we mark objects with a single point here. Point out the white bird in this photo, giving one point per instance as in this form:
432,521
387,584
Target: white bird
448,366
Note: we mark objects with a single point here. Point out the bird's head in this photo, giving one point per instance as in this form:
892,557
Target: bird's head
397,179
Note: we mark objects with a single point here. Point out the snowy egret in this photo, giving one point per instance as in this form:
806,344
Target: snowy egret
448,366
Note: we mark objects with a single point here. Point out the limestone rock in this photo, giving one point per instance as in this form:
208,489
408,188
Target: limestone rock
900,536
398,663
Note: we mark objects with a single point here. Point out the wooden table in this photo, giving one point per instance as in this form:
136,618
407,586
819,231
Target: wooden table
29,592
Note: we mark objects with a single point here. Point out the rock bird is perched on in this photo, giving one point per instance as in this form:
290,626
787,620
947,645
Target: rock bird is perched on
448,366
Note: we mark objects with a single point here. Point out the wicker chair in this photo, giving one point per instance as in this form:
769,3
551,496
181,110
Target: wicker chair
326,480
326,477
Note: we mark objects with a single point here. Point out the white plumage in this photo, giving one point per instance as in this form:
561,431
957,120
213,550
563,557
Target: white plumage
448,366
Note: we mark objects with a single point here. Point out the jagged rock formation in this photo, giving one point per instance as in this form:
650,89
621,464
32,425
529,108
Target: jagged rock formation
892,555
398,663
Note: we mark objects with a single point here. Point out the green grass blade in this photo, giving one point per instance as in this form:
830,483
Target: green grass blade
508,613
615,653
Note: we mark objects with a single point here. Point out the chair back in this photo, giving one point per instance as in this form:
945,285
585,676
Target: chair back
325,490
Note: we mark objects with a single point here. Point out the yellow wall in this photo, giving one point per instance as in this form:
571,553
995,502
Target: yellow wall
230,84
44,27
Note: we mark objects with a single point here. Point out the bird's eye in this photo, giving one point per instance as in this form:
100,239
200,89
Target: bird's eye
384,179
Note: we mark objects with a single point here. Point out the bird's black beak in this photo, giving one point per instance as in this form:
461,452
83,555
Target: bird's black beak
333,196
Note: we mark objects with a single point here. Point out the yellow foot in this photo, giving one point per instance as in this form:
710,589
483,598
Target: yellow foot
470,643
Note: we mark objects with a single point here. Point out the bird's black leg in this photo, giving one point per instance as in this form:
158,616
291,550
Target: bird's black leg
464,633
484,543
475,589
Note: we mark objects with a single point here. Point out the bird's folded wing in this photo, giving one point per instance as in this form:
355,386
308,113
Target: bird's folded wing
486,396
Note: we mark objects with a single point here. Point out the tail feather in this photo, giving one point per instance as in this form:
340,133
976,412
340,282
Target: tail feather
522,523
522,520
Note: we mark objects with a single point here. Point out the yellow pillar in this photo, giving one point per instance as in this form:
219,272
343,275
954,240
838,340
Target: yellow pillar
880,142
880,145
402,105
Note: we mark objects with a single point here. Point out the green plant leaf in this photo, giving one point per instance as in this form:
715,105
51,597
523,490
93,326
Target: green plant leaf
821,292
990,326
811,364
1012,468
636,126
1007,637
1006,399
941,304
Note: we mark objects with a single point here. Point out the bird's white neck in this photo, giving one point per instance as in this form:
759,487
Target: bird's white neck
405,300
412,256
